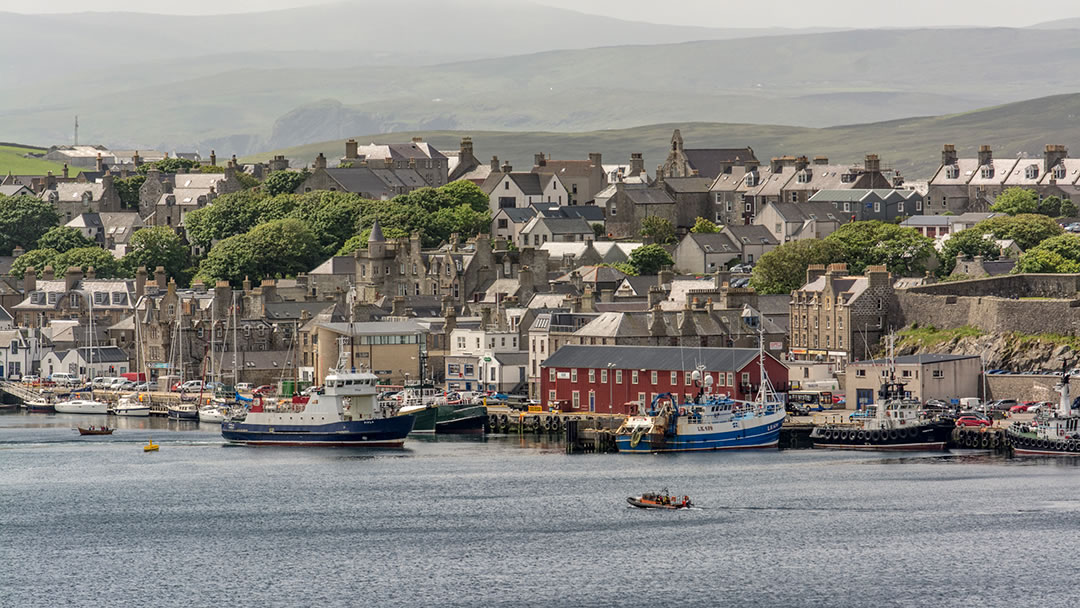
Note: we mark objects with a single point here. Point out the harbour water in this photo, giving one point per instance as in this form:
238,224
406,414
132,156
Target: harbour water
505,521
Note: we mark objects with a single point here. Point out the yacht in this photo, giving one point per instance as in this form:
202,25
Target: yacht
212,413
132,405
81,406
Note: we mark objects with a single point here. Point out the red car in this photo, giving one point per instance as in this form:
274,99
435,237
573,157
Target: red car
262,390
972,421
1023,407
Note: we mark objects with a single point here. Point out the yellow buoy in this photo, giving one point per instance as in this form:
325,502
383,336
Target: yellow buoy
150,447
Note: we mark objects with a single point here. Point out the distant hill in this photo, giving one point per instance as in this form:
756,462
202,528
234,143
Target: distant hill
1059,24
806,80
911,145
13,160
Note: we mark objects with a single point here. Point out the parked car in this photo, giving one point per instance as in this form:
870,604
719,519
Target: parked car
798,409
31,379
1023,407
190,385
972,421
244,387
64,379
742,268
265,389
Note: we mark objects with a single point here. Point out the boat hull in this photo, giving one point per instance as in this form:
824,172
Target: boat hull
376,433
141,411
85,407
183,414
1025,445
41,408
456,419
763,435
922,438
425,420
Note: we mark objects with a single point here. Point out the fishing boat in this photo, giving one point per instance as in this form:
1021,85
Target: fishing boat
40,405
1050,433
151,446
460,419
81,406
95,430
184,410
212,414
660,500
426,415
346,412
894,423
132,405
706,421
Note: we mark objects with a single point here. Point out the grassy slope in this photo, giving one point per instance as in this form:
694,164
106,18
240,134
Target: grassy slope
11,160
912,145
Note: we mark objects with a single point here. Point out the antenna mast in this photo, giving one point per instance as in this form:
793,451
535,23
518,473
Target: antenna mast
76,129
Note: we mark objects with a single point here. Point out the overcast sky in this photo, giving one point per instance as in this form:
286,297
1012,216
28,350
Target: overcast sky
720,13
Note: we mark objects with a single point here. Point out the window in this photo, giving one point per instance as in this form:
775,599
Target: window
641,399
988,172
877,207
745,378
861,373
576,399
603,375
952,172
906,373
900,207
551,374
1059,172
573,375
918,205
674,378
502,224
453,369
633,377
1031,172
687,378
618,376
653,378
938,373
551,396
592,376
506,185
729,206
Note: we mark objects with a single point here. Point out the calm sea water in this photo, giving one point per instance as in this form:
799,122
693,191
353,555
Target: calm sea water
507,522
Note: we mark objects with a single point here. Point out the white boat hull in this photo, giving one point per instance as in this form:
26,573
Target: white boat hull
82,406
140,410
214,416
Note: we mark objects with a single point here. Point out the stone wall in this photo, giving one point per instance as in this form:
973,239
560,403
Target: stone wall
1027,388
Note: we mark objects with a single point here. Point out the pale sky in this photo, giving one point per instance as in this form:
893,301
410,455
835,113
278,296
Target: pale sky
717,13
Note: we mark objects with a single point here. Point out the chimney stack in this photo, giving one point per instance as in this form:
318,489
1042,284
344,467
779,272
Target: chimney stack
595,158
65,170
351,149
494,164
47,274
507,168
1053,155
986,156
948,154
140,281
99,164
539,159
466,148
320,161
159,277
872,164
29,280
213,158
637,163
72,278
91,273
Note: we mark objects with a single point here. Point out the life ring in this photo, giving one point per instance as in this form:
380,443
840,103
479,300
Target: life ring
1061,432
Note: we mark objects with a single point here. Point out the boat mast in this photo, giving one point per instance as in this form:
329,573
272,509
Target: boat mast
1065,406
766,388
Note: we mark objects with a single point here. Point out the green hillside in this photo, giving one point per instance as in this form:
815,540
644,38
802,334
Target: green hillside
13,160
911,145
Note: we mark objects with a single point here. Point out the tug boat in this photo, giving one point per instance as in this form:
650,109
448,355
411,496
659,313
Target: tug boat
893,424
346,413
1052,433
708,422
662,500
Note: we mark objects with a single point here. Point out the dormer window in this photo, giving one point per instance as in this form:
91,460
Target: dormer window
847,178
952,172
1031,172
803,178
987,172
1059,172
751,179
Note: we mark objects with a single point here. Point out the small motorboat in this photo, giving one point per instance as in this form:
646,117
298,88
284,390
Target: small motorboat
95,430
150,447
661,500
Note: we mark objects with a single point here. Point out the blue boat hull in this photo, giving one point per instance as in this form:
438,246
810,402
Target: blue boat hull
764,436
377,433
178,415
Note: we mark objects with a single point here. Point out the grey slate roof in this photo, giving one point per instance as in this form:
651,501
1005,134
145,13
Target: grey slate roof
566,225
359,180
751,234
688,184
103,354
799,212
710,162
713,242
519,215
662,358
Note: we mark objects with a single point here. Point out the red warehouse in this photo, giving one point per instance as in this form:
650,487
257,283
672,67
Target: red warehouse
613,379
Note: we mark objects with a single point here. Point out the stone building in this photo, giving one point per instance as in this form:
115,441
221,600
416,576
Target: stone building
506,188
859,205
837,317
927,376
583,179
417,156
798,221
74,198
73,296
701,162
165,198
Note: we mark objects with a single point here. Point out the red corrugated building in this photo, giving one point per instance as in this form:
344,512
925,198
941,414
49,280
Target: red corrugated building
613,379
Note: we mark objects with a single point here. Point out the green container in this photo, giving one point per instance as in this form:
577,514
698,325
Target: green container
287,388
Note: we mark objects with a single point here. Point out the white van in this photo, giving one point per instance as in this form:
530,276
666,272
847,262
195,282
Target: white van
64,379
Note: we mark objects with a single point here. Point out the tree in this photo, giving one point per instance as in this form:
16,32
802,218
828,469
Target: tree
658,229
598,231
1049,206
105,265
284,182
63,238
169,165
275,249
38,258
23,220
649,259
128,189
428,199
157,246
235,213
1027,229
464,192
703,225
1057,254
783,269
969,243
1016,200
1068,208
902,250
463,220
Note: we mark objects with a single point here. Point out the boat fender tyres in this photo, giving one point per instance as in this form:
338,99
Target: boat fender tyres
985,441
893,434
844,435
862,435
875,436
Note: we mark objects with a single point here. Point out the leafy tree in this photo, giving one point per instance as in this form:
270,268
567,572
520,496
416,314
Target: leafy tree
247,181
1050,206
274,249
63,238
783,269
1027,229
1068,208
903,250
464,192
969,243
428,199
128,189
1016,200
169,165
105,265
598,231
1057,254
284,182
355,243
657,228
332,215
23,220
703,225
235,213
38,258
157,246
649,259
462,219
395,215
